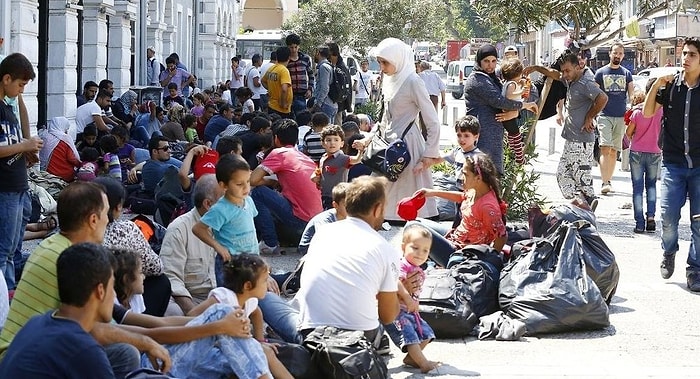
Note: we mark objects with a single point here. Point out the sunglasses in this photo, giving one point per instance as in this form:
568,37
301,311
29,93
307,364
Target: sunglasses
164,148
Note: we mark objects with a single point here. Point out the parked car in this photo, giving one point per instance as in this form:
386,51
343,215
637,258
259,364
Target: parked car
656,72
457,71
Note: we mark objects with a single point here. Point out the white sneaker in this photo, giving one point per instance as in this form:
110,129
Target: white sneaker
606,188
269,250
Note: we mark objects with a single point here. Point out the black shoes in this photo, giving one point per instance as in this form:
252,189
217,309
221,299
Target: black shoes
668,264
693,280
651,225
384,347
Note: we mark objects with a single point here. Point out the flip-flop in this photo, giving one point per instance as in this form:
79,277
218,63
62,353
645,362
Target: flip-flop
50,223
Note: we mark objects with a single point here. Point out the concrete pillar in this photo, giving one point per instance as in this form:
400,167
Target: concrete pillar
62,60
168,42
119,46
24,32
95,39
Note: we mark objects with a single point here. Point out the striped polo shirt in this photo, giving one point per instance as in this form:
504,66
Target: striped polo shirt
37,291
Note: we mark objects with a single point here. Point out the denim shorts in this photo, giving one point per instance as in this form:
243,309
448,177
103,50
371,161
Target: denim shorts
405,330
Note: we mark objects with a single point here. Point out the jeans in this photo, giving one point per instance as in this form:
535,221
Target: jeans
18,259
282,317
216,356
298,104
140,134
329,110
677,183
441,248
273,206
123,358
644,168
264,99
13,206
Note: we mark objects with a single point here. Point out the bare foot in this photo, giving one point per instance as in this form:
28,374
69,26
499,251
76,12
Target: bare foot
429,366
408,361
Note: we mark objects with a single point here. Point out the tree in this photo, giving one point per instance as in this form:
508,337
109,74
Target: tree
590,18
364,23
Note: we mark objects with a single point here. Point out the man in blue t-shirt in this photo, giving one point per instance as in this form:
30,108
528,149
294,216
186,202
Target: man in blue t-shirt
154,168
58,344
616,82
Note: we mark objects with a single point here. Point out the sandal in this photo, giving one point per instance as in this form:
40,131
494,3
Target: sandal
49,223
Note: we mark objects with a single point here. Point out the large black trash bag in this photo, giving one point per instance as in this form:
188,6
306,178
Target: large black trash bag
600,260
453,299
548,289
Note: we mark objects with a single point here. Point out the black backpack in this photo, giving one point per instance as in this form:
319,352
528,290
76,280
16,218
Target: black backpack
339,89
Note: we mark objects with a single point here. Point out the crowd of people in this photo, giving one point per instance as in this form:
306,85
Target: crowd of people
268,155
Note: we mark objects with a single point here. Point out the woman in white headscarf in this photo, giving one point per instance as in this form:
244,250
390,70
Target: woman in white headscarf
404,95
58,156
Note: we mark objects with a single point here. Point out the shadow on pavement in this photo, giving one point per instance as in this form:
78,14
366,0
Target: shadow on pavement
444,369
579,335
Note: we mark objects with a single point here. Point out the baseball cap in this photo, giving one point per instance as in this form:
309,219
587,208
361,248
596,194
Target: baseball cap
205,164
510,48
407,208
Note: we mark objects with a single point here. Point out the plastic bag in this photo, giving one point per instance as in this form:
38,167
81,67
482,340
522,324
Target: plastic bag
548,289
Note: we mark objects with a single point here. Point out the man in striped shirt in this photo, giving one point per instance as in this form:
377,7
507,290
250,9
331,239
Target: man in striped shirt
301,69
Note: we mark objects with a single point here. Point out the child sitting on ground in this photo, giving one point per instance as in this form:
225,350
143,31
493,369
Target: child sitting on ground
334,214
198,108
245,97
228,226
409,331
112,167
245,278
334,164
126,150
483,212
173,97
90,166
88,138
128,280
514,89
313,144
188,123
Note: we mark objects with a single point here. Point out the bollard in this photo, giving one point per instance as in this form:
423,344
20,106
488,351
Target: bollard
455,115
552,138
444,116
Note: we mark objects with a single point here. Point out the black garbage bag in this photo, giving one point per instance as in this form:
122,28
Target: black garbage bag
453,299
548,289
600,260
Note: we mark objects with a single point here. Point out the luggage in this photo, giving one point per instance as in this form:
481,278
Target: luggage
548,289
453,299
344,354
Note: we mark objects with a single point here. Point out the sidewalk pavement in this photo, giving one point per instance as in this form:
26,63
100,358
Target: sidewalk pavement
652,332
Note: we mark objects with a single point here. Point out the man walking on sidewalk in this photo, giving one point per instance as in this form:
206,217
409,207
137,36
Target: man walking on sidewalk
584,100
616,82
679,96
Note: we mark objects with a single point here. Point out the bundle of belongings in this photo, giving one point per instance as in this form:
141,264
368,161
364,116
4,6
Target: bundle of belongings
559,280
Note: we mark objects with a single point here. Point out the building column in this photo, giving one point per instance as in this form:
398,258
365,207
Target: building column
95,39
62,60
168,43
207,45
24,32
119,46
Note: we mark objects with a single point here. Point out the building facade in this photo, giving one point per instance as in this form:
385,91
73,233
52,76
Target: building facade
74,41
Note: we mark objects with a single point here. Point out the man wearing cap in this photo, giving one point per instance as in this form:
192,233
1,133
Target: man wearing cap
152,68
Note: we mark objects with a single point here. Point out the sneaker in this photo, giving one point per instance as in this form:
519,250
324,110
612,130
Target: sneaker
639,230
607,187
384,347
270,250
668,264
651,225
693,280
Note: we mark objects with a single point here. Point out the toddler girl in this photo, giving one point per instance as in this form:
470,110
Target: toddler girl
112,165
245,282
409,331
88,169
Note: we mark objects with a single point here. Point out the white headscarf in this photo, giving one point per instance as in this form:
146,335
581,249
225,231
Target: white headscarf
401,56
55,132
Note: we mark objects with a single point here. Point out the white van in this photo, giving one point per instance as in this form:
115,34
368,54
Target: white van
457,71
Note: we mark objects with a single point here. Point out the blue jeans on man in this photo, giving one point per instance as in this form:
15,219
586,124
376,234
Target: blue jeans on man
298,104
12,214
678,183
329,110
272,206
644,169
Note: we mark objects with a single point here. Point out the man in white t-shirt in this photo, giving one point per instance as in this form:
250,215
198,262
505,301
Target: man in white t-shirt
362,83
350,276
237,73
254,81
92,111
